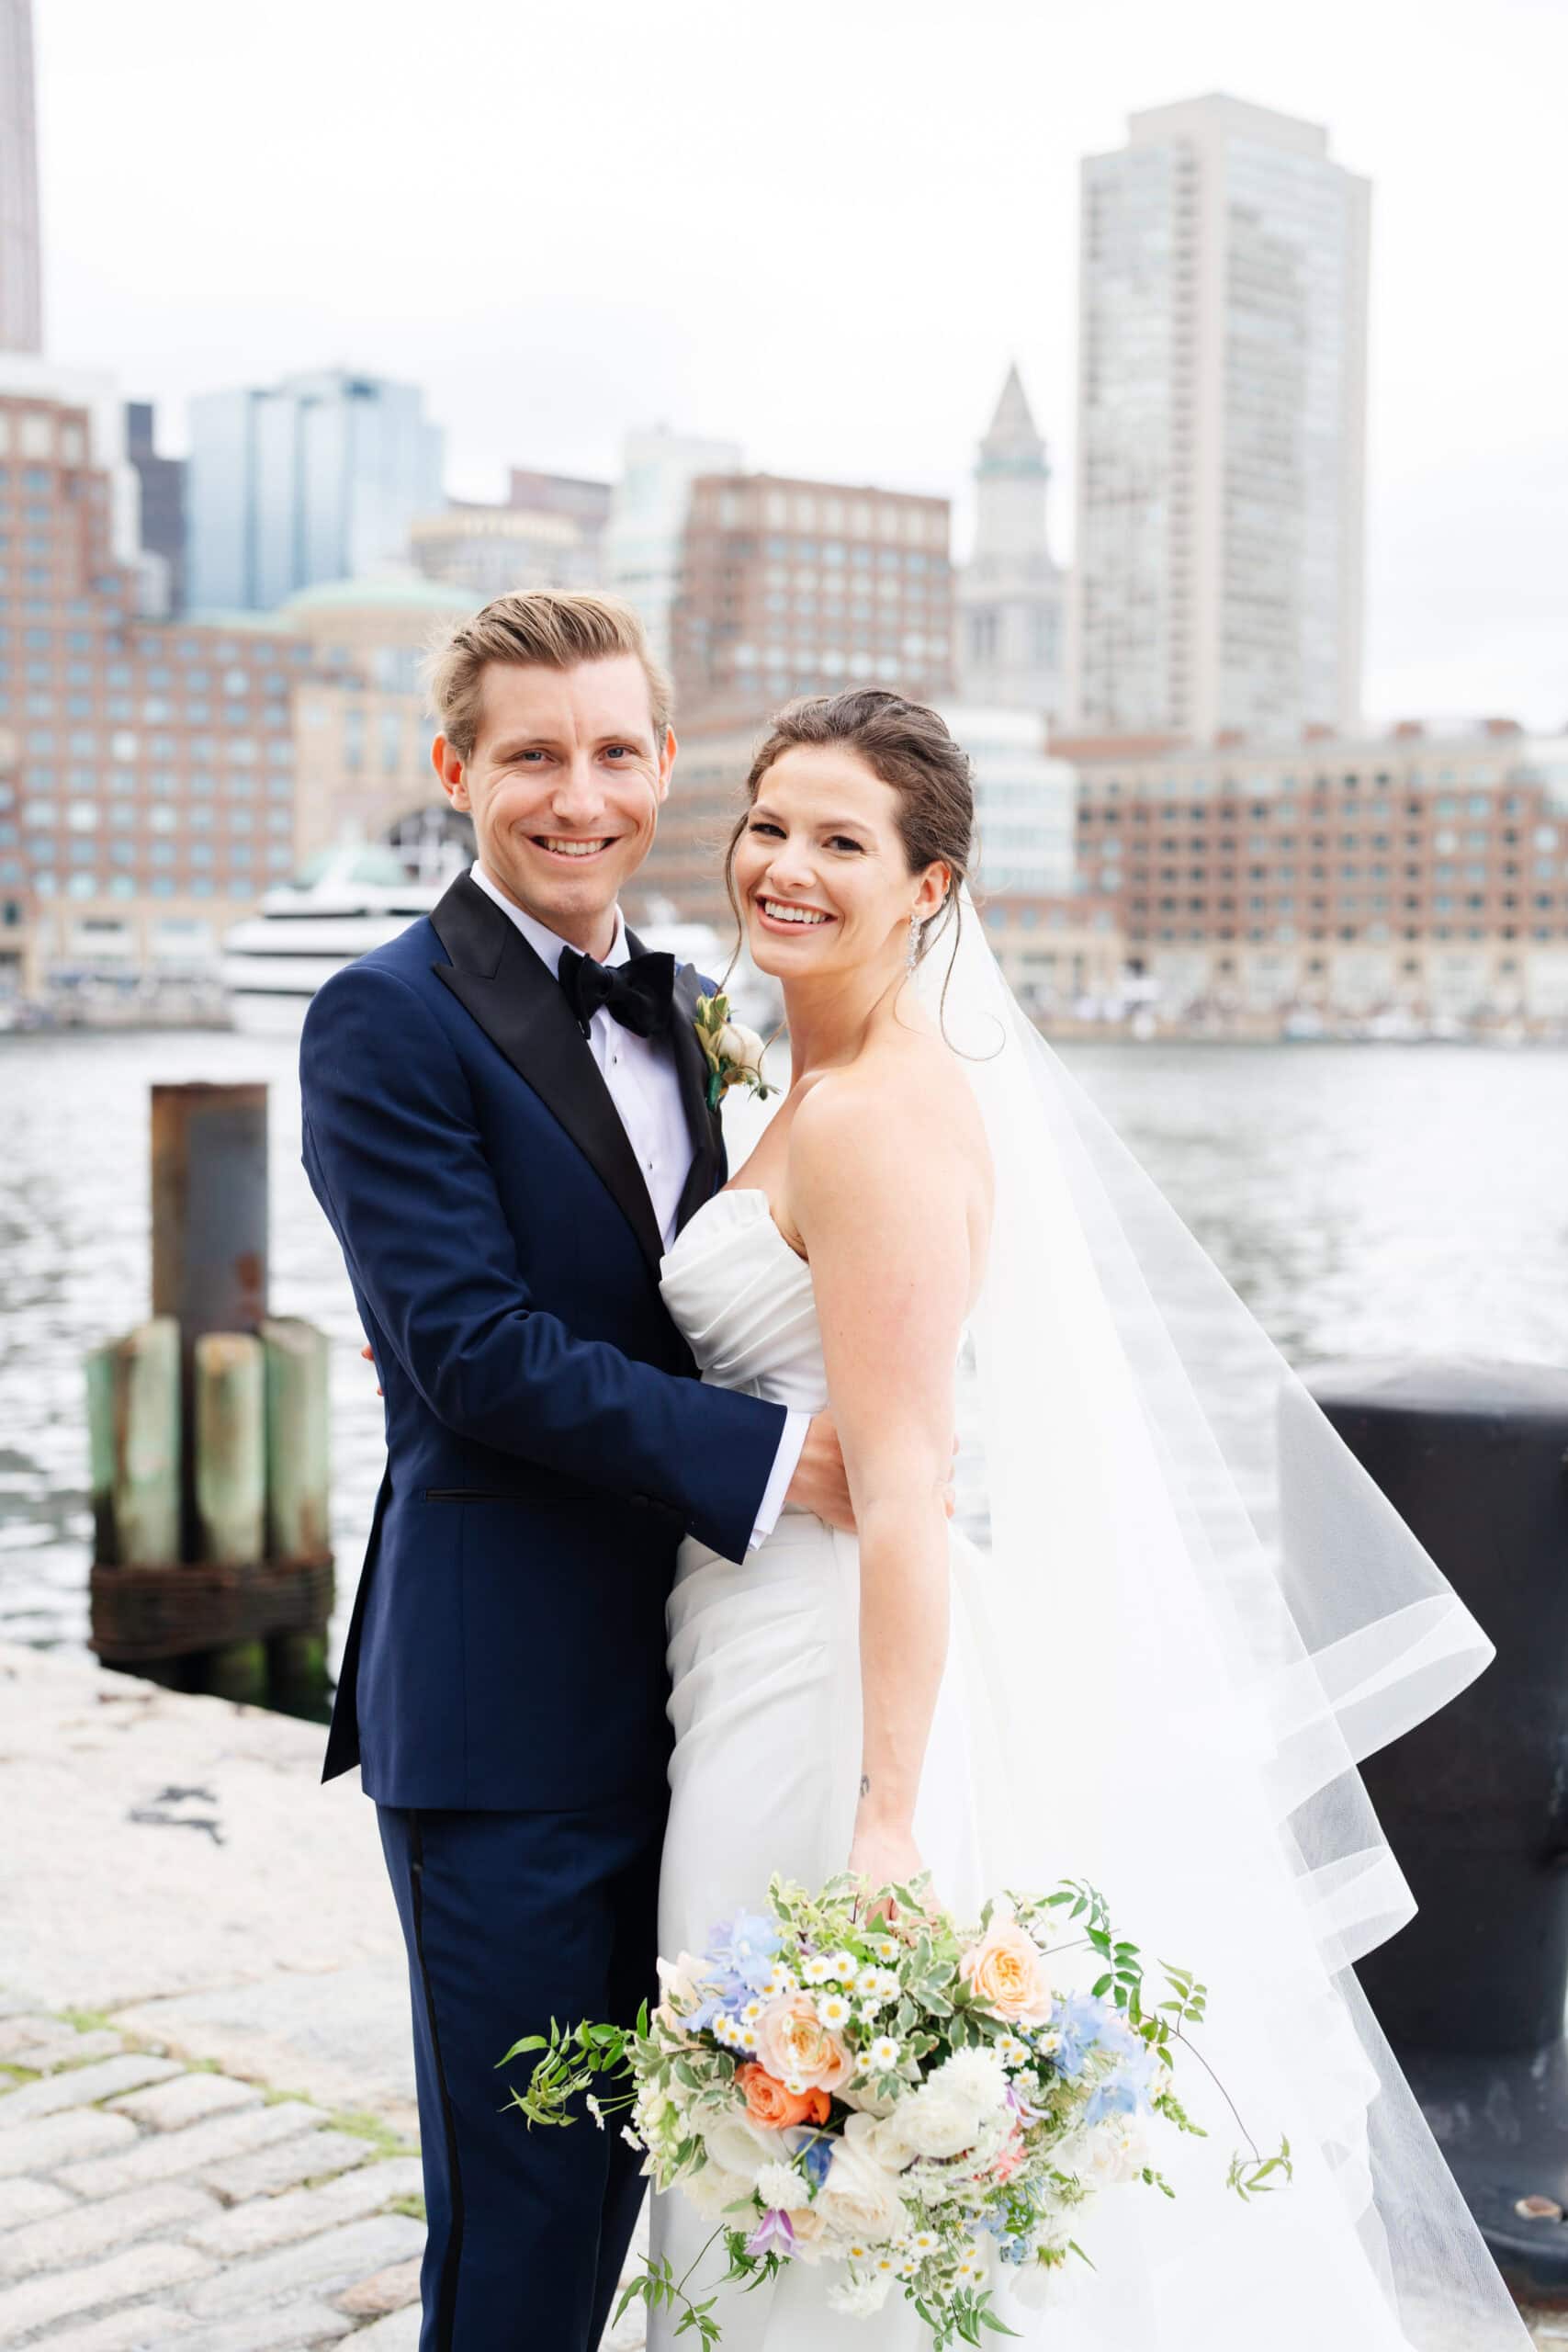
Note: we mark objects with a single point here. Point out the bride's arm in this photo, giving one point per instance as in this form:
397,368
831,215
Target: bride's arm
881,1203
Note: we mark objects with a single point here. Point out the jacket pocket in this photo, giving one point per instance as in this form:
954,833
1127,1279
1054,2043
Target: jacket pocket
479,1495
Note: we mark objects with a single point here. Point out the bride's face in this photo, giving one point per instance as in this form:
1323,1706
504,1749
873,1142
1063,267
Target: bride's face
820,869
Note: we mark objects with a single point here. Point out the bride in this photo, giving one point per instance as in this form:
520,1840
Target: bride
1177,1612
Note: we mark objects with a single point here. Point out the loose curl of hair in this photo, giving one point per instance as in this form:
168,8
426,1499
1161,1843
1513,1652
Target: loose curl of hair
905,744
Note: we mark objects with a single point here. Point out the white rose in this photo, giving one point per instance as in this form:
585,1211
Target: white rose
741,2146
1118,2150
737,1044
949,2112
713,2190
860,2196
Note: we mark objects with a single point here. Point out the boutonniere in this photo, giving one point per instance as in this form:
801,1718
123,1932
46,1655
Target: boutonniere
733,1053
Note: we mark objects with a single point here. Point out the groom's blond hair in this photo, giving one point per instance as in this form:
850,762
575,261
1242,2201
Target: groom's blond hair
552,628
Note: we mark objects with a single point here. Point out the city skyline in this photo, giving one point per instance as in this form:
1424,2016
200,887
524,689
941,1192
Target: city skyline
844,303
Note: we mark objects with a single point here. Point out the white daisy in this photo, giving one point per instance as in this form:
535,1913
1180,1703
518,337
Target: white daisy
883,2055
746,2037
1014,2052
844,1966
924,2241
885,1946
817,1969
833,2009
753,2011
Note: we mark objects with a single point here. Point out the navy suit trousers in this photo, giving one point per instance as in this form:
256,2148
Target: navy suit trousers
512,1920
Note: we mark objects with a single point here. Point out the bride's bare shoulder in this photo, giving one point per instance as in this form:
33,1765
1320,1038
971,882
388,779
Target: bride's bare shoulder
905,1097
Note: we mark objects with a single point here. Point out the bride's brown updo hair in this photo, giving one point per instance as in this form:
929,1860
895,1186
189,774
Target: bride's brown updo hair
903,743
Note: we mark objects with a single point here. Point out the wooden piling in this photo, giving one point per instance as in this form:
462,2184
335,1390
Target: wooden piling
200,1576
146,1482
230,1416
229,1411
297,1466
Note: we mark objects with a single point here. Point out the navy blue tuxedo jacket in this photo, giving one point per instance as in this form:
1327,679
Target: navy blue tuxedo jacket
548,1442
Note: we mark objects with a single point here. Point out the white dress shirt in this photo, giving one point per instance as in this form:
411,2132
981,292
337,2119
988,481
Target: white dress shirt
639,1073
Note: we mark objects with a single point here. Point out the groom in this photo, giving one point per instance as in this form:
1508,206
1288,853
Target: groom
506,1122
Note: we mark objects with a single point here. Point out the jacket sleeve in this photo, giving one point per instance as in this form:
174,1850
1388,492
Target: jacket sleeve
394,1155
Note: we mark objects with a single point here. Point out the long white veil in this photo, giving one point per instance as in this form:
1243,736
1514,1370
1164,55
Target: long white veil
1195,1613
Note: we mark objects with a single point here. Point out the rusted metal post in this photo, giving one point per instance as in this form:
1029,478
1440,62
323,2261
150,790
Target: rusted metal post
209,1226
209,1207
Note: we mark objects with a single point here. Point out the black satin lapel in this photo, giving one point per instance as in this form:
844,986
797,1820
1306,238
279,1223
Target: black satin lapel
704,1126
497,977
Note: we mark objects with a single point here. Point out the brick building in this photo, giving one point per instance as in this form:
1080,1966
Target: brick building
146,775
792,588
1417,870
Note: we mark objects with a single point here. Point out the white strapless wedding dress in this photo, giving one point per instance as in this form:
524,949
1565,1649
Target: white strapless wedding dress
766,1709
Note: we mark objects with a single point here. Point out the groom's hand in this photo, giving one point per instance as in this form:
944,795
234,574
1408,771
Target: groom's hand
820,1483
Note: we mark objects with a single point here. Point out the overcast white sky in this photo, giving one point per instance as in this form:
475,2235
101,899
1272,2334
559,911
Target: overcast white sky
821,228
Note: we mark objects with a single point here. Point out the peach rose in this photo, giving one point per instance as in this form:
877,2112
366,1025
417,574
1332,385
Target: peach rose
1007,1975
793,2043
810,2228
769,2103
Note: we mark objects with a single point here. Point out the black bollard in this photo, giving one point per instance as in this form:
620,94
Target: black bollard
1475,1801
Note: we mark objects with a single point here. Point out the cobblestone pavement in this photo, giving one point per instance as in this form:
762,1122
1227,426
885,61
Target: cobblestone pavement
145,2204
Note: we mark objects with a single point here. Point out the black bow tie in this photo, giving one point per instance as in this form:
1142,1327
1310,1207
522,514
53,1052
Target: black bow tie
639,994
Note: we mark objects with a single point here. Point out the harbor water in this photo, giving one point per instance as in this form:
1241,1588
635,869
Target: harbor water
1365,1200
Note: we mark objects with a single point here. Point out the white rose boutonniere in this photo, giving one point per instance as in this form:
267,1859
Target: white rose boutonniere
733,1053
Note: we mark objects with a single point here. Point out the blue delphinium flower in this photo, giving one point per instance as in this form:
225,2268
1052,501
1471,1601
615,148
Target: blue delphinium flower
745,1947
1083,2025
816,2157
1127,2091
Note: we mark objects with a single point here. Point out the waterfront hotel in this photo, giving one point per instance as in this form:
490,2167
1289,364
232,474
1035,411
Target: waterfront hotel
1422,869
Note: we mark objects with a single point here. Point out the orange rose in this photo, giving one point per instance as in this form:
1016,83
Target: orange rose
769,2103
1007,1975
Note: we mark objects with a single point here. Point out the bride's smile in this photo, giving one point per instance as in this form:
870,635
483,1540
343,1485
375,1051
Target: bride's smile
821,871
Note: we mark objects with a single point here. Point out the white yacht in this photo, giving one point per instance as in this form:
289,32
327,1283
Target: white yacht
345,901
360,894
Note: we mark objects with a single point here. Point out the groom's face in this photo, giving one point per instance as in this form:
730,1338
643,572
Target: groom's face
564,784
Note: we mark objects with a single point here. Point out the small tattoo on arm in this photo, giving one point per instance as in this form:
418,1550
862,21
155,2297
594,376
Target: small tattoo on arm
865,1784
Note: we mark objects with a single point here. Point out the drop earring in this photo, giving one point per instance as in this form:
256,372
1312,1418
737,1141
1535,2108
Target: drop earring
913,956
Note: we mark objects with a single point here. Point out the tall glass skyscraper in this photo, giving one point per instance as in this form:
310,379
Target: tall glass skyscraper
1222,404
21,306
318,478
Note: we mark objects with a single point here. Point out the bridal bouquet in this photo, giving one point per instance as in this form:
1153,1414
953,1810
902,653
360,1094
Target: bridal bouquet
900,2101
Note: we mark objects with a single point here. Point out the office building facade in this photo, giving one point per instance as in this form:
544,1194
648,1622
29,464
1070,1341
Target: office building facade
793,588
163,487
21,291
1222,398
645,530
319,478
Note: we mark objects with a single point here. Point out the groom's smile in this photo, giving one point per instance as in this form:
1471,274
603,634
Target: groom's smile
564,783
